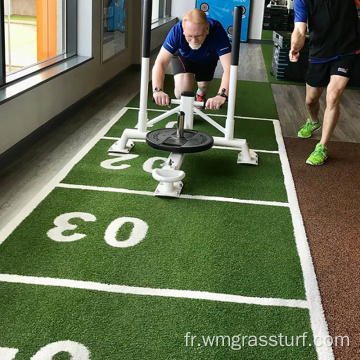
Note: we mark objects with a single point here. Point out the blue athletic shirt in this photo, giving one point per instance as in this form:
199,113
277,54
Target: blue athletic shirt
301,11
216,43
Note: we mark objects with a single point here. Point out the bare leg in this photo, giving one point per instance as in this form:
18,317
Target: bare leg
183,82
312,101
204,86
332,112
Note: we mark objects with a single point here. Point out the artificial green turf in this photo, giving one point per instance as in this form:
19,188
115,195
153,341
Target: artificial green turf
267,34
253,99
212,173
190,244
118,326
221,247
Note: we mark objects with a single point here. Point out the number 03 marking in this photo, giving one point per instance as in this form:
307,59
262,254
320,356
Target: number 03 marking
138,232
62,224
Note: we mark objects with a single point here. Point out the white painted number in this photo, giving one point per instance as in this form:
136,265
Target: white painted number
8,353
138,232
76,350
108,164
149,164
62,224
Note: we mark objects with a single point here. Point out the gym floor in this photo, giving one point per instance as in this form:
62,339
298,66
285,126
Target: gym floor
337,266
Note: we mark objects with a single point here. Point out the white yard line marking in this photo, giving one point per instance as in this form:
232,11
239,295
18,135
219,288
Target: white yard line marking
233,200
118,138
157,110
245,117
219,115
134,290
183,196
214,147
45,191
317,316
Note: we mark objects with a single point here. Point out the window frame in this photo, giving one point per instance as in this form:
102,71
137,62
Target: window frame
164,10
70,19
2,43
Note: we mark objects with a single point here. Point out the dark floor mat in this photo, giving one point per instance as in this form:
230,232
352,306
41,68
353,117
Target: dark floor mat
329,198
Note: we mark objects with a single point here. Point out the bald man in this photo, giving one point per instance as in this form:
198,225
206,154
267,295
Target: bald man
194,46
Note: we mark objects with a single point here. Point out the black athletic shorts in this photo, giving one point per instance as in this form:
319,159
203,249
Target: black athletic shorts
318,75
202,71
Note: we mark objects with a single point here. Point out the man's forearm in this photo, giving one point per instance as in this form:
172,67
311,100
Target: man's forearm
158,75
297,40
225,82
225,79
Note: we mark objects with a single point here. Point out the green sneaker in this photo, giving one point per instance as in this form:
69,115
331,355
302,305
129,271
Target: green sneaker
318,156
306,130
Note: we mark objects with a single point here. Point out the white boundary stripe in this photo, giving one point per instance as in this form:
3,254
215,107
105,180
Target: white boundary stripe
123,289
183,196
317,316
45,191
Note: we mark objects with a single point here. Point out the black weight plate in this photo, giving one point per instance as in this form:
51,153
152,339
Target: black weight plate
192,142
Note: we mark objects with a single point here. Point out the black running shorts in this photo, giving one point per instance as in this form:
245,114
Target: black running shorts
202,71
318,75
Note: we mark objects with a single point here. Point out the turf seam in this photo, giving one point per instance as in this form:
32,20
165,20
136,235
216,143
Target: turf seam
145,291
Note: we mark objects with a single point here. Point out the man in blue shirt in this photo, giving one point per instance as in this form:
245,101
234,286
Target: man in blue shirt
334,41
194,46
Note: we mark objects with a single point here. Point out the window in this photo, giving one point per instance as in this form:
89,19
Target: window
35,34
161,9
114,37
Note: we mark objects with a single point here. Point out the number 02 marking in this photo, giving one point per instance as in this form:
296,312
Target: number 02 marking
76,350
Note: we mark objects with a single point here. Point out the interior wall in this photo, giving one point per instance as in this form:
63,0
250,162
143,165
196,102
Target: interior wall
22,115
179,8
159,34
256,19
